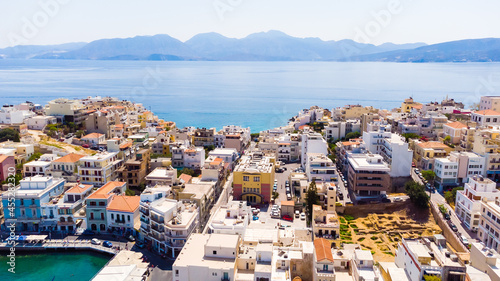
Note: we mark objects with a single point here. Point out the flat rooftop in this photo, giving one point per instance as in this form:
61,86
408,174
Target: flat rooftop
193,255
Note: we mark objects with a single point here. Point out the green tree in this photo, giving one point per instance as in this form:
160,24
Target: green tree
275,195
312,198
352,135
417,194
186,171
447,139
129,192
409,136
9,134
34,156
429,175
17,178
451,196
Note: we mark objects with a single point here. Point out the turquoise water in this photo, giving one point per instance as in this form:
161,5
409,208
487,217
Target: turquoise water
261,95
57,266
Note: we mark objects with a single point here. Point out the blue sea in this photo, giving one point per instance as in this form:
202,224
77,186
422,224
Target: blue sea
261,95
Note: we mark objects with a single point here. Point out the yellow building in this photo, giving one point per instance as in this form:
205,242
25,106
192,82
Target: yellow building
253,178
409,104
424,153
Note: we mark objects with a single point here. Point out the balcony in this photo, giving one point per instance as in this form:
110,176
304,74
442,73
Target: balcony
157,219
144,220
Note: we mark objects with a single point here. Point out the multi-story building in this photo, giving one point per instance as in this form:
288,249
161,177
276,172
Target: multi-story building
66,110
34,168
134,170
194,158
30,195
368,118
232,218
21,151
486,117
40,122
312,142
424,257
94,139
468,202
409,104
368,175
489,226
162,176
320,168
487,144
7,166
363,267
446,171
123,213
490,103
11,115
431,124
424,153
67,211
339,129
454,131
323,260
253,178
393,148
204,137
469,164
65,167
97,203
99,169
351,112
325,223
166,224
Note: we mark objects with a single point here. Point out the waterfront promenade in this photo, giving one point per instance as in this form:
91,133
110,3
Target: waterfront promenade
59,244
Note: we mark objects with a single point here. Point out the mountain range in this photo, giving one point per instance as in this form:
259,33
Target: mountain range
263,46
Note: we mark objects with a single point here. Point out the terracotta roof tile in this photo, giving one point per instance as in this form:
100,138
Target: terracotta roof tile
70,158
124,203
103,192
323,249
92,136
79,188
488,112
456,125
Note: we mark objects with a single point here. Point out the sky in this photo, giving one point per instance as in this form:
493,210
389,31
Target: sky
45,22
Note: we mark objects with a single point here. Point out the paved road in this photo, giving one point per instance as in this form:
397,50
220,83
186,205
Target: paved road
282,178
462,230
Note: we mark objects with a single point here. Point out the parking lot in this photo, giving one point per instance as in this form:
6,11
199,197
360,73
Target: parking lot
266,220
282,178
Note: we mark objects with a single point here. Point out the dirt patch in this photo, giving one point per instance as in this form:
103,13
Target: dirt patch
381,232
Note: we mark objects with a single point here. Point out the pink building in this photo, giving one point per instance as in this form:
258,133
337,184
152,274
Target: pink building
6,163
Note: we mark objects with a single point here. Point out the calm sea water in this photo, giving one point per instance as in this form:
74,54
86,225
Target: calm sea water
261,95
58,266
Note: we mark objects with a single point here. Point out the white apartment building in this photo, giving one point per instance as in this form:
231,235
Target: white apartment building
194,158
208,257
312,142
229,155
34,168
162,176
363,267
339,129
486,117
454,131
320,168
489,226
468,202
446,171
232,218
393,148
39,122
10,115
166,224
469,164
99,169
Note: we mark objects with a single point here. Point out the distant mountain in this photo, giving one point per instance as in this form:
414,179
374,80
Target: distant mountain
136,48
30,51
471,50
263,46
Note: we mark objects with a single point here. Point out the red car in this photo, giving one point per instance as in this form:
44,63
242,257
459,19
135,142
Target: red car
85,145
413,164
287,218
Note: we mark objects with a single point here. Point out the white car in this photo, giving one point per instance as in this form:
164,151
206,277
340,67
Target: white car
397,199
95,241
302,216
275,214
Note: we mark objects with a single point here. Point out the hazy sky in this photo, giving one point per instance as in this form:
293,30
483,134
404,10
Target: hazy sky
373,21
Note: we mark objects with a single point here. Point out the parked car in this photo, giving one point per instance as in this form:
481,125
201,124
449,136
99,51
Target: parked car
255,218
288,197
417,171
386,200
464,240
297,214
95,241
454,228
287,218
302,216
446,217
413,164
130,238
85,145
397,199
107,244
341,196
275,214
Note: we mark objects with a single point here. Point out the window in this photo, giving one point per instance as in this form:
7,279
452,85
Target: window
112,216
256,179
215,252
128,218
246,178
176,272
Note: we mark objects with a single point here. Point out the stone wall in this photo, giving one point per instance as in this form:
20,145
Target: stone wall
451,237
